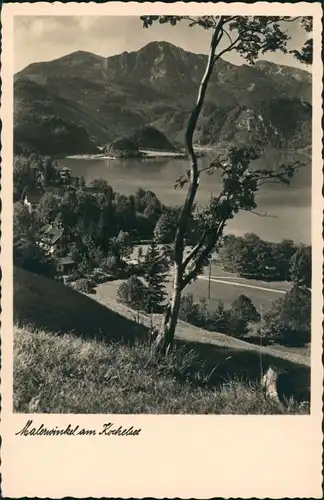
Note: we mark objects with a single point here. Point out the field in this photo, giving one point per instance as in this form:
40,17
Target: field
228,287
66,343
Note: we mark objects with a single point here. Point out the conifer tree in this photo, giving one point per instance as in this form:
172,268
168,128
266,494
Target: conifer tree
155,276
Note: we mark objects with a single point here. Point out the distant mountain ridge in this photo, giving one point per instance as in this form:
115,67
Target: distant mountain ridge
106,98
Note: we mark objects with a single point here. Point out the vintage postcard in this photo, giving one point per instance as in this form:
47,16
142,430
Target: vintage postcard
161,250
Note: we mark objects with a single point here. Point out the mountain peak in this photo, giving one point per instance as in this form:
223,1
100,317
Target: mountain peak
166,47
80,56
161,45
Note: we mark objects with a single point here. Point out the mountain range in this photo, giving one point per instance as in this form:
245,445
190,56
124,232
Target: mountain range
81,101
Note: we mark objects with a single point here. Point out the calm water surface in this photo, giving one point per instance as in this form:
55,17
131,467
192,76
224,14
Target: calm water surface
289,206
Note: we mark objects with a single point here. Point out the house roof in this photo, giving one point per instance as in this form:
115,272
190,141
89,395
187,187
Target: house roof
50,234
46,228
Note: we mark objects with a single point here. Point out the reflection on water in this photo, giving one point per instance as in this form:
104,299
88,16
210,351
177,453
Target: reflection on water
289,206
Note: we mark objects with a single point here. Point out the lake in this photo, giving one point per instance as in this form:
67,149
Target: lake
288,206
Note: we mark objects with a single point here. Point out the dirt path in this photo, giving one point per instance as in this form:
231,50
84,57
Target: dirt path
216,279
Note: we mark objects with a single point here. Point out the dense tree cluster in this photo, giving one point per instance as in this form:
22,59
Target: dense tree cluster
104,223
252,257
234,321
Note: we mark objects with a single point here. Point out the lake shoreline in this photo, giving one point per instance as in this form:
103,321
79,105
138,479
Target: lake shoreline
148,155
144,154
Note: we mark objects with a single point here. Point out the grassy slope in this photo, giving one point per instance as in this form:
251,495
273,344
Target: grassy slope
48,305
55,308
65,374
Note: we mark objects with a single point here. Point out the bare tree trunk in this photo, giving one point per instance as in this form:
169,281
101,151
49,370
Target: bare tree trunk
165,339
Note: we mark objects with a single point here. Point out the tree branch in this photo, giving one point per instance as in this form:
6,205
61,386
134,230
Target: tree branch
205,169
291,19
194,252
215,20
228,19
243,32
228,35
192,19
228,49
260,214
203,255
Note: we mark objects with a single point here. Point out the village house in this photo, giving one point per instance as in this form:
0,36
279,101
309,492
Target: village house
65,265
58,242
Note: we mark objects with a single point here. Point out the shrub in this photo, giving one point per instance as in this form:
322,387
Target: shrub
110,263
133,293
83,285
99,276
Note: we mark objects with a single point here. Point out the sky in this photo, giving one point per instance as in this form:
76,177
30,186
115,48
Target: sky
44,38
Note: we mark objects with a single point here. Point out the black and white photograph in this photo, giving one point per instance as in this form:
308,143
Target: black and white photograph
162,214
161,250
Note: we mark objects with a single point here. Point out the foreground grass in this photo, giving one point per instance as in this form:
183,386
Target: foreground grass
66,374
